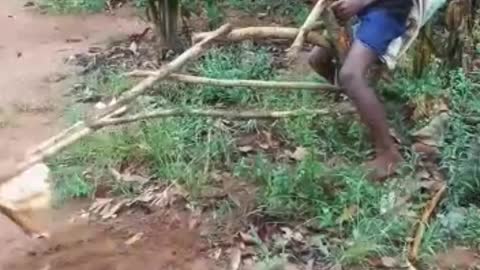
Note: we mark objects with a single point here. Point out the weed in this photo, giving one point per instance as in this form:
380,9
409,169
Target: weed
74,6
284,8
335,195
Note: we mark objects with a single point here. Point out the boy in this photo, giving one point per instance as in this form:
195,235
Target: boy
380,22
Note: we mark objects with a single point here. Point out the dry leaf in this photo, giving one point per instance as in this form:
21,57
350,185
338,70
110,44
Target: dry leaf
348,214
389,262
247,238
132,240
395,136
133,48
235,259
112,211
433,133
216,254
287,233
426,107
299,154
245,149
310,264
297,236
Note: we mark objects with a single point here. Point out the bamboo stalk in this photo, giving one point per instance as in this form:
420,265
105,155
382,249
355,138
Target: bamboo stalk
123,100
266,32
55,139
413,252
59,144
47,143
285,85
164,71
306,27
231,114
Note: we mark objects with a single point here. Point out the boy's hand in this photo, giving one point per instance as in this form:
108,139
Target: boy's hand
345,9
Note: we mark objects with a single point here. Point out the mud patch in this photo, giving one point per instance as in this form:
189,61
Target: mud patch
163,241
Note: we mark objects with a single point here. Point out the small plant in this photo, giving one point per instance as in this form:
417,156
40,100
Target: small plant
74,6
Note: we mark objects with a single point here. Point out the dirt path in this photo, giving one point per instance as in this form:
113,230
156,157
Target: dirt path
34,79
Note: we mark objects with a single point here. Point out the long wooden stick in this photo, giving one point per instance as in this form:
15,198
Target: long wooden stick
242,83
123,100
266,32
413,253
47,143
56,144
306,27
166,70
64,133
231,114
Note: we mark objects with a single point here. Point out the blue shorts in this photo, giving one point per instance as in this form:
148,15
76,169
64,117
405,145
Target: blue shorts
377,28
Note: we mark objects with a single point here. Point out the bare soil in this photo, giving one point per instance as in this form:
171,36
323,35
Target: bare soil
166,242
33,79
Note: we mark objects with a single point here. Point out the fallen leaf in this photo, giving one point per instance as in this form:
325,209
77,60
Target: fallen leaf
389,262
348,214
287,233
395,136
247,238
132,240
133,48
112,211
297,236
235,259
299,154
216,254
426,107
310,264
245,149
433,133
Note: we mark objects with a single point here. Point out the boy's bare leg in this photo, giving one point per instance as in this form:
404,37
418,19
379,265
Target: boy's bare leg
352,78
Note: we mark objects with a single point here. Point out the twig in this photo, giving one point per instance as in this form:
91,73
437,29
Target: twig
413,253
209,113
266,32
306,27
242,83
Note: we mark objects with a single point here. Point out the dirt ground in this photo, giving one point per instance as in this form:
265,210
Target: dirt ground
34,78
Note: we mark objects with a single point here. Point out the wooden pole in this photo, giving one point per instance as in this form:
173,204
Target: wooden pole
229,114
284,85
89,125
266,32
305,29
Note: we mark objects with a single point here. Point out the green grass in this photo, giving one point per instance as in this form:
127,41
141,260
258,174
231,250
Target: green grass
74,6
298,11
323,188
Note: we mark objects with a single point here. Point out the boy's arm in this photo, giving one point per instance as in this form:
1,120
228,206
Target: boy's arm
345,9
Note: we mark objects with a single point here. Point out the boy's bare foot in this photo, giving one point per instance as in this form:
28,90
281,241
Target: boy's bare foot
384,165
